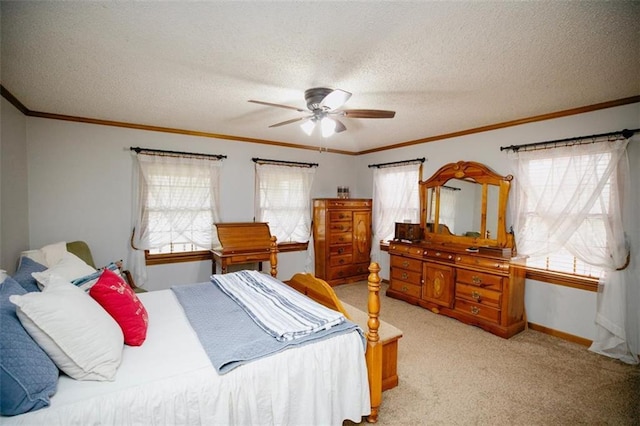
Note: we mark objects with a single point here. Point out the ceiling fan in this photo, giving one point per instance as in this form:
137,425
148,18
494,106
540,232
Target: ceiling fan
324,105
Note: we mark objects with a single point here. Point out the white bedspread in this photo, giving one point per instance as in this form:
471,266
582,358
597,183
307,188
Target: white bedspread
169,380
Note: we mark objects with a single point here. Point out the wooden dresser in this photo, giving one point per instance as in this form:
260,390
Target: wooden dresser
463,266
342,239
484,289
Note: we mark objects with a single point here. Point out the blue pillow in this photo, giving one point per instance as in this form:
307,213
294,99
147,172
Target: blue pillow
23,274
28,377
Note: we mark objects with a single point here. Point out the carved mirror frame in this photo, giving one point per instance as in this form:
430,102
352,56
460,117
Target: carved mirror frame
471,172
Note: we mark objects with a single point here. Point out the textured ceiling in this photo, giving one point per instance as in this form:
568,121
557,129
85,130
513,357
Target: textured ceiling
442,66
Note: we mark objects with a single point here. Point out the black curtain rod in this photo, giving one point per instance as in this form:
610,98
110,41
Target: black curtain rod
138,150
452,188
626,133
283,162
397,163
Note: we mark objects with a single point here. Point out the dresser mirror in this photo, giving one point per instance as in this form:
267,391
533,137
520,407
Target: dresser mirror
465,202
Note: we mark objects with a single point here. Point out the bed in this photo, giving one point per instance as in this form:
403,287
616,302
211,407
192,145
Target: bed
170,378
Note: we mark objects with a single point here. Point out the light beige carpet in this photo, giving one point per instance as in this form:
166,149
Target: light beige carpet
454,374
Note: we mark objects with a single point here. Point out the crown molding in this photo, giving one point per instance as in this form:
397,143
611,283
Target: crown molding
564,113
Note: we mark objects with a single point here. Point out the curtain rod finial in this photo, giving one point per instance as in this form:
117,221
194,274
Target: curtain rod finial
626,133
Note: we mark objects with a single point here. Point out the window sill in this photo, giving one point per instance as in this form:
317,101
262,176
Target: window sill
190,256
287,247
196,256
559,278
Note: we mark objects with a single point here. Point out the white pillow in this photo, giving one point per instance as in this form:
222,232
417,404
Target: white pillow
69,267
81,338
53,253
48,255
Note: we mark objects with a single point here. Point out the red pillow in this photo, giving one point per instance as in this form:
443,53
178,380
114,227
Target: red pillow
119,300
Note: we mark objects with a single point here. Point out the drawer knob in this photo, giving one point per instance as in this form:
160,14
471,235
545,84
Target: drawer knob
476,279
458,258
438,253
475,310
341,261
450,257
340,250
405,264
475,295
405,275
404,288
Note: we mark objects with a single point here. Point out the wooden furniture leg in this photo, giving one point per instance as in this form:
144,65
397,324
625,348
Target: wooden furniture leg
374,346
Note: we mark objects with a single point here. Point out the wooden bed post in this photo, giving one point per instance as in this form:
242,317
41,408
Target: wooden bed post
374,346
273,257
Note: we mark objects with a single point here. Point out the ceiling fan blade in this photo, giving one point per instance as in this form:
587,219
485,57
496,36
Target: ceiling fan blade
339,126
293,120
278,105
367,113
335,99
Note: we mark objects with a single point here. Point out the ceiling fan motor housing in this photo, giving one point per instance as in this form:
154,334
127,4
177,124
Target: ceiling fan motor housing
314,97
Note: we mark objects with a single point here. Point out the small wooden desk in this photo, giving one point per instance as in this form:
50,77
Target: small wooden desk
244,242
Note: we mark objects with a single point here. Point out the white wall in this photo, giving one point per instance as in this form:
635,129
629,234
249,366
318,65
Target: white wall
80,187
560,308
14,226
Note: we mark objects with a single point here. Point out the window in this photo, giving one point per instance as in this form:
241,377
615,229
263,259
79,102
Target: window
396,198
567,206
178,204
283,199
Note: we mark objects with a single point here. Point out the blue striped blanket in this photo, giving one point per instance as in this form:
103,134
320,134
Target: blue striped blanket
230,336
278,309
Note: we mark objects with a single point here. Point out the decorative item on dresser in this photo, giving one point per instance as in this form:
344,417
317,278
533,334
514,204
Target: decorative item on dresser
342,239
458,269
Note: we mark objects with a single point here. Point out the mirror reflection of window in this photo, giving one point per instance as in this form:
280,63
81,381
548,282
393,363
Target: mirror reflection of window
469,208
448,207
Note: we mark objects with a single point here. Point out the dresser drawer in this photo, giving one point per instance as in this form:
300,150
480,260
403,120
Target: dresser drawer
406,263
340,227
478,310
406,288
403,249
411,277
344,259
338,250
340,216
340,238
440,255
338,272
483,262
480,295
479,279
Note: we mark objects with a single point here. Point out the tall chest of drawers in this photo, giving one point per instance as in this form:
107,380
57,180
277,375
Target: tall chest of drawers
485,290
342,239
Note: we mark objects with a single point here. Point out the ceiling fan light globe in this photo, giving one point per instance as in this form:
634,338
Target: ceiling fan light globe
308,127
328,126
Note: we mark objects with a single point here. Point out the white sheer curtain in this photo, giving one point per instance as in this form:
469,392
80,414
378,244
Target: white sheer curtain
574,197
176,198
448,203
395,199
283,199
